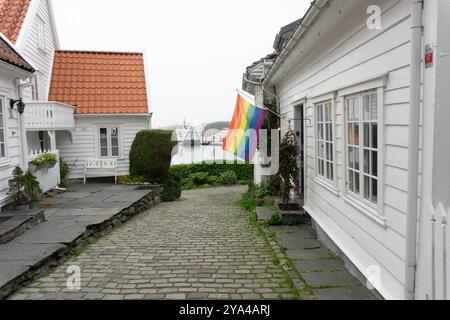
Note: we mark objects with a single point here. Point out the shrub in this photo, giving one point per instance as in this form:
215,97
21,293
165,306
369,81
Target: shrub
130,180
151,154
214,180
171,188
187,184
199,178
16,185
243,171
228,178
64,171
31,187
45,158
289,170
275,220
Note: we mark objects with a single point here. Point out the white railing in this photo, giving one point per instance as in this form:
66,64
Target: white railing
48,178
440,246
49,116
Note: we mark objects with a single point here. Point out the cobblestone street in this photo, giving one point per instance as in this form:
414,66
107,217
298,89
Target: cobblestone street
201,247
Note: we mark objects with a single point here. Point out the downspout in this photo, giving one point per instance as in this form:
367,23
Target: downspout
413,149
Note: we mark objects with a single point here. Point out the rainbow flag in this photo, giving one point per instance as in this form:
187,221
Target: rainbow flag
243,133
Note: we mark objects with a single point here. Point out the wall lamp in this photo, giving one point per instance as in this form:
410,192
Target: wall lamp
20,105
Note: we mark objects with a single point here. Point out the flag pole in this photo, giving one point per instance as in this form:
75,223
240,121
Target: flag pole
262,107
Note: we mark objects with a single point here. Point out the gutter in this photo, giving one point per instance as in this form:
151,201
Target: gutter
307,21
413,148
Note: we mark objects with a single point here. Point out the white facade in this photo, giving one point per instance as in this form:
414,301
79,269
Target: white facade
340,63
12,155
83,143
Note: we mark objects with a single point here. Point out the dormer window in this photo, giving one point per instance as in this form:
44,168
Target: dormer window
41,34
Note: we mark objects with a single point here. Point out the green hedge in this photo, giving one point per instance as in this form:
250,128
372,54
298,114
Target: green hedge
151,154
243,171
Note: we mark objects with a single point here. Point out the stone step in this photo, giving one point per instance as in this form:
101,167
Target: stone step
16,223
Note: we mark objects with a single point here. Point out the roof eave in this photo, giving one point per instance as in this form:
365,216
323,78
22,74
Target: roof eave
311,15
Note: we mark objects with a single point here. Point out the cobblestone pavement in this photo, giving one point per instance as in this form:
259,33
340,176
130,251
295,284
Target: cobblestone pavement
201,247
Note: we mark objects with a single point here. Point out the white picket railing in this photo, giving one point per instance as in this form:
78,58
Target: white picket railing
440,246
49,115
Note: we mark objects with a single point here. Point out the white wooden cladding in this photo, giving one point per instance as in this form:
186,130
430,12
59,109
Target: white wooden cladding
440,246
48,115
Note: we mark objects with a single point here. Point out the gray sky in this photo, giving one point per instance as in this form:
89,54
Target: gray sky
197,50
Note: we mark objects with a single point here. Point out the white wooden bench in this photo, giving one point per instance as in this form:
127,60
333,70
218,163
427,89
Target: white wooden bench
108,166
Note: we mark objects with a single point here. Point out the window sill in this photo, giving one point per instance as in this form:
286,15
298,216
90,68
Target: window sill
327,186
369,212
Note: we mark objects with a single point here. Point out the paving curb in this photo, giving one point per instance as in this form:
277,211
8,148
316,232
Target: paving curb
92,232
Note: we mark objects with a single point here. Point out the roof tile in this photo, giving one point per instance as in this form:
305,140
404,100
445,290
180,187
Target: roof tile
12,16
100,82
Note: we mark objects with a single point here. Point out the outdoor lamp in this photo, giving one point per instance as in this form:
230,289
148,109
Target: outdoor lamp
20,105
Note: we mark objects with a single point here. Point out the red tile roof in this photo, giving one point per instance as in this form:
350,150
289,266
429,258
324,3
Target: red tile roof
100,82
12,16
9,55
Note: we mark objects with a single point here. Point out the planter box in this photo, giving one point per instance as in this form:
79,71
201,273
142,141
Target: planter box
292,213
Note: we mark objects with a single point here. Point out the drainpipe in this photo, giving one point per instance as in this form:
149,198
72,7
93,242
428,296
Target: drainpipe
413,150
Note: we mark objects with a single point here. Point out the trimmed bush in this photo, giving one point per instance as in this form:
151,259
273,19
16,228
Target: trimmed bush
171,188
151,155
199,178
228,178
243,171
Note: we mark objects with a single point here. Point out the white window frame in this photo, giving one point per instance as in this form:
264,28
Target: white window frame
41,34
109,127
3,108
374,211
331,185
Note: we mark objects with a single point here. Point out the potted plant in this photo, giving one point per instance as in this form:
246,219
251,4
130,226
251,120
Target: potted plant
289,175
32,190
16,189
43,162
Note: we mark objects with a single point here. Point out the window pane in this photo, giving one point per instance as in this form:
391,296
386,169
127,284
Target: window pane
351,140
104,151
350,109
367,188
331,177
374,136
356,132
356,183
356,109
351,157
350,181
374,190
374,107
329,114
115,151
366,107
366,161
2,150
366,135
2,136
375,163
356,158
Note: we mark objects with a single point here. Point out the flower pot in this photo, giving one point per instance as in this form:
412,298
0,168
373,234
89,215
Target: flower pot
33,167
52,164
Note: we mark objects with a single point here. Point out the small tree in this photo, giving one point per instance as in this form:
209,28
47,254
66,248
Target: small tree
289,171
31,188
16,187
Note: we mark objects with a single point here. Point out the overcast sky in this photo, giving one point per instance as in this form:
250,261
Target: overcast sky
196,50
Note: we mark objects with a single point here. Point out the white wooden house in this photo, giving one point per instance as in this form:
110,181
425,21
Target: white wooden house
369,98
13,70
94,115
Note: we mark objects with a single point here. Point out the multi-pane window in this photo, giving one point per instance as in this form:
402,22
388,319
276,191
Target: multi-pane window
362,145
324,140
109,141
2,128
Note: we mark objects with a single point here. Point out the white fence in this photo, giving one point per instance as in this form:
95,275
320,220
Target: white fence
49,115
440,246
48,178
